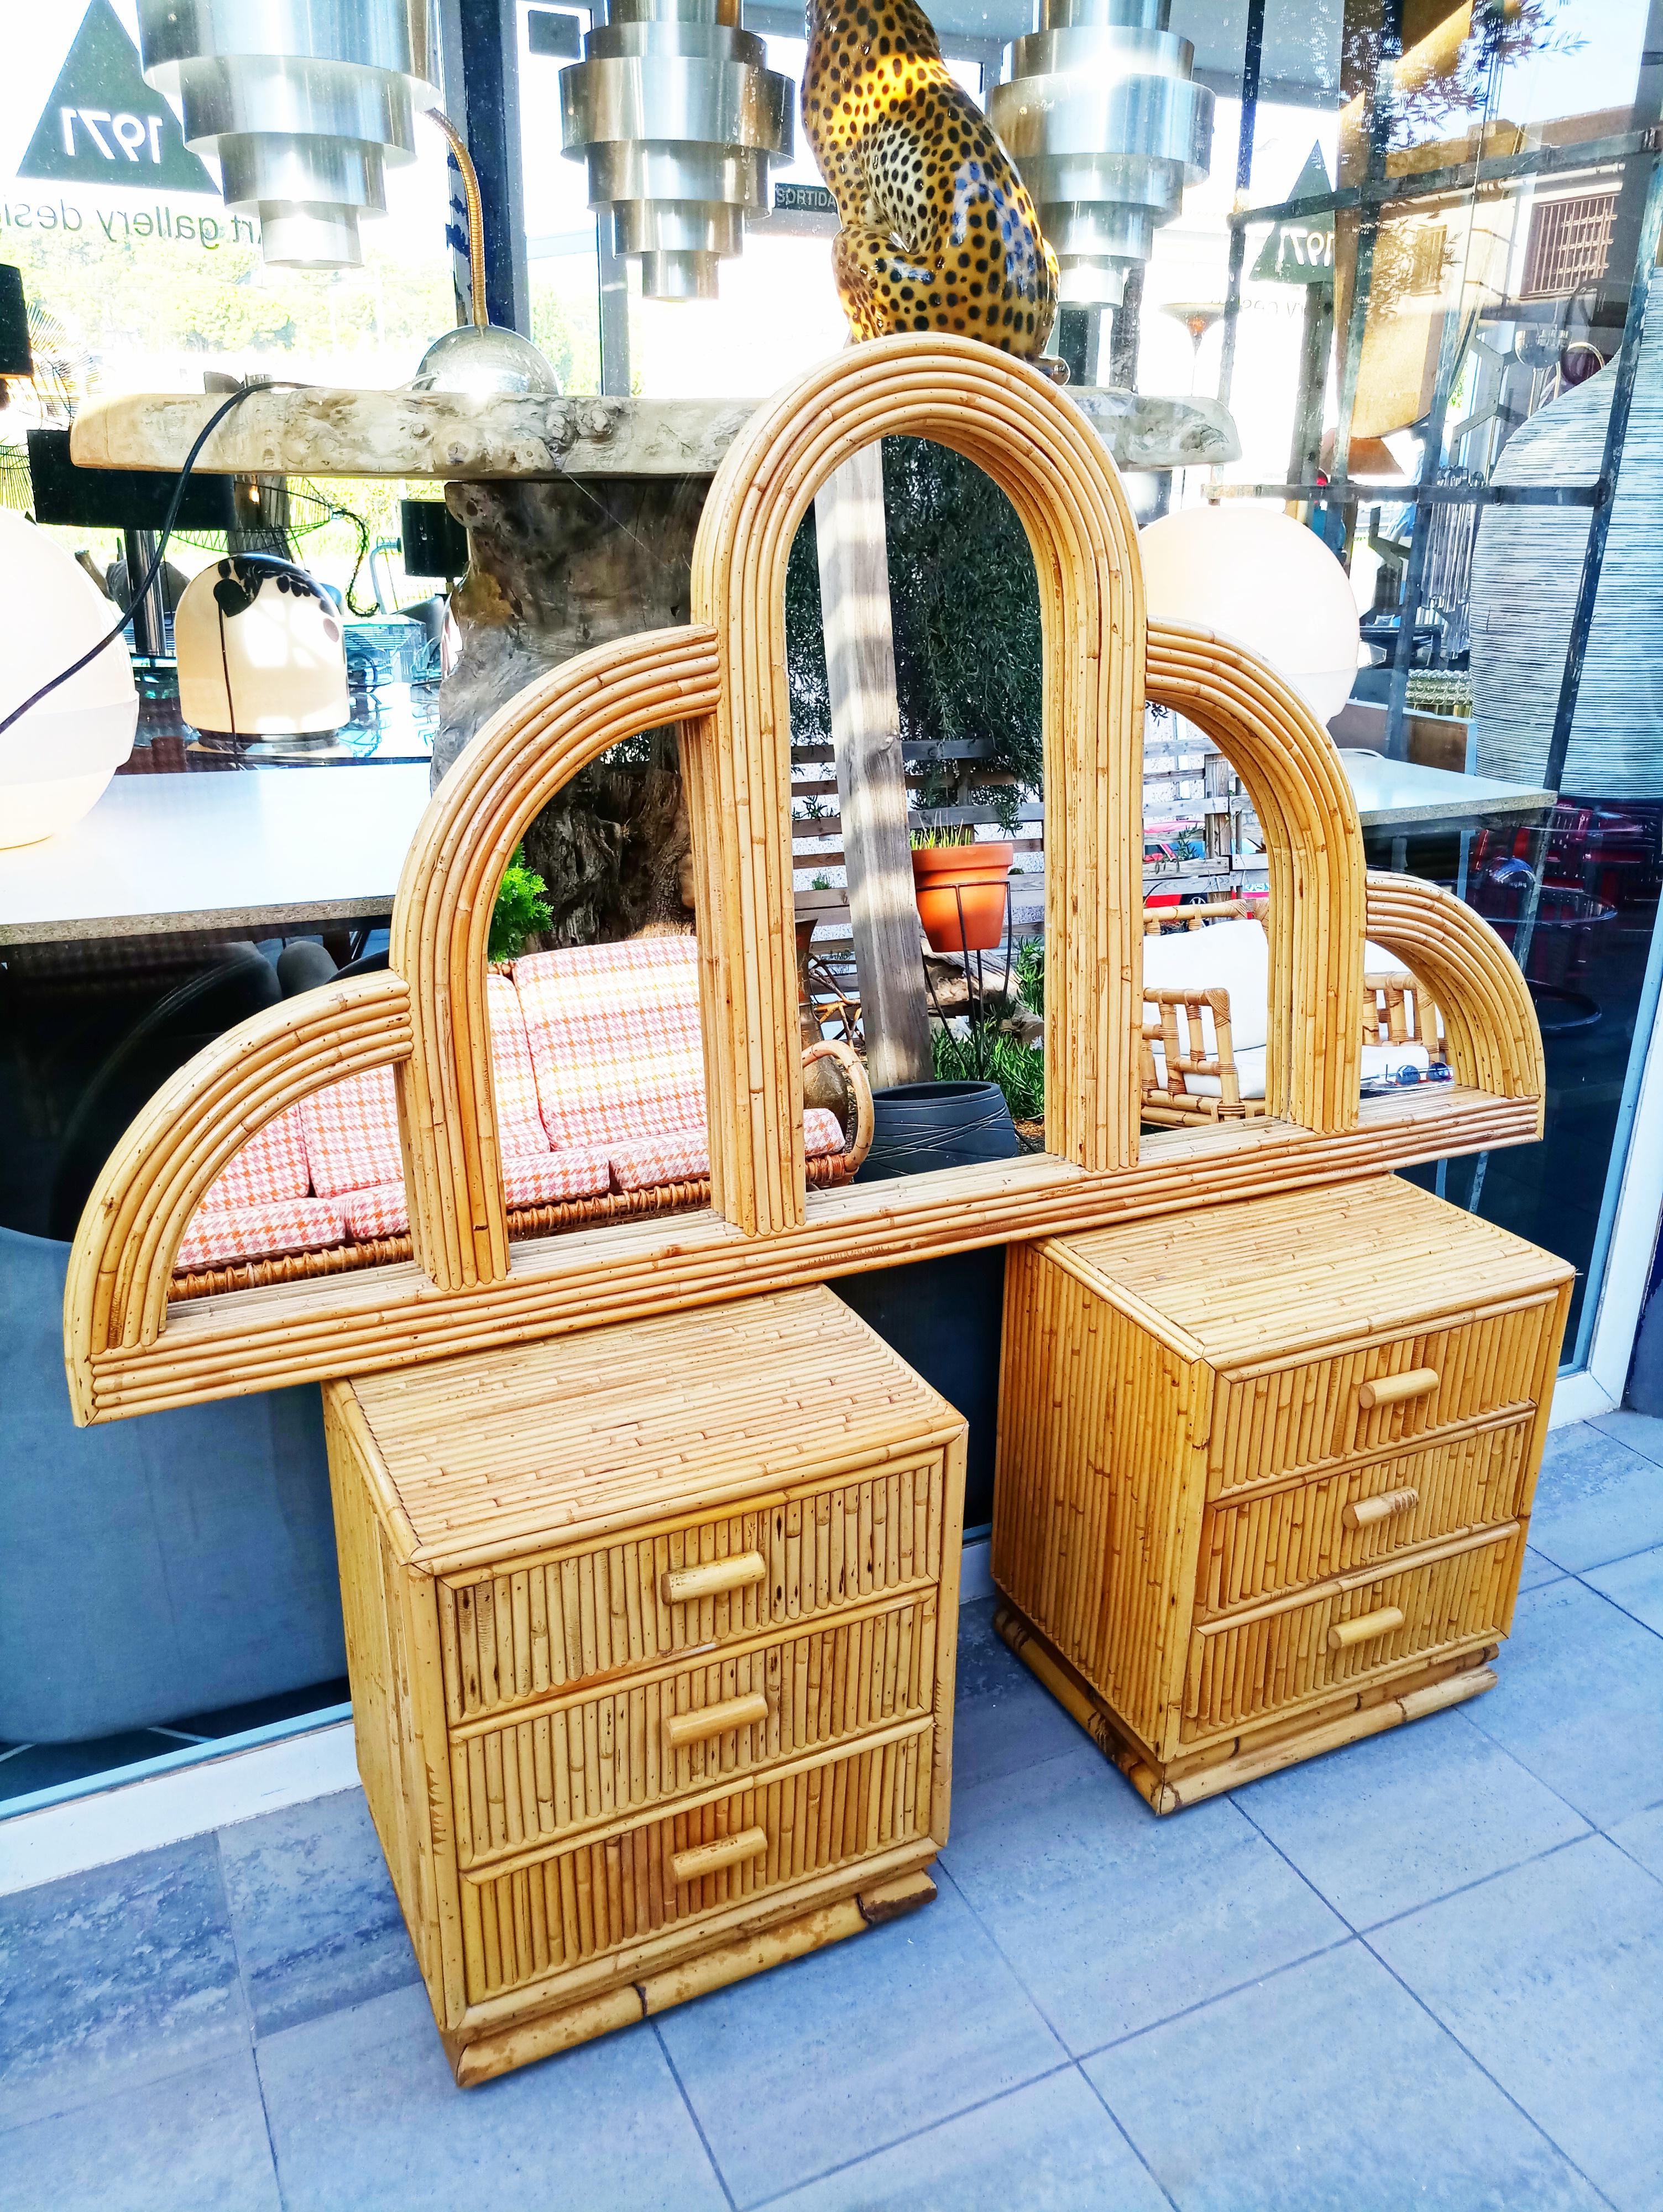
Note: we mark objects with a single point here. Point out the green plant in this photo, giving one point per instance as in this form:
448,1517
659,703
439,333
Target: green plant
951,833
1030,974
1018,1068
966,607
520,909
820,884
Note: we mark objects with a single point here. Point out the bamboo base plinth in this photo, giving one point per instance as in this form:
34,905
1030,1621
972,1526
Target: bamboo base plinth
481,2059
1166,1786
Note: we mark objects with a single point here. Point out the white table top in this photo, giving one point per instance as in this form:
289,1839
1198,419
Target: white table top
1392,793
290,847
236,849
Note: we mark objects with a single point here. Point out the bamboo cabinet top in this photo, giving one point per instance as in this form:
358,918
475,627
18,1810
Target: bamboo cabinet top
546,1444
1279,1278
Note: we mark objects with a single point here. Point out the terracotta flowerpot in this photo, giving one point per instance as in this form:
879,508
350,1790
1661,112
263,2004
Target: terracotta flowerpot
962,888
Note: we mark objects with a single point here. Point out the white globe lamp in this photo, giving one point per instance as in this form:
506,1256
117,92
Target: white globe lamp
1260,578
56,759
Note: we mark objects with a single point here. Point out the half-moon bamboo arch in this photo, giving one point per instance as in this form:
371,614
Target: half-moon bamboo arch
723,679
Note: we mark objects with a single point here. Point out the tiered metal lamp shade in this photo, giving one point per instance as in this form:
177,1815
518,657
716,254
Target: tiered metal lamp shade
303,102
678,118
1107,127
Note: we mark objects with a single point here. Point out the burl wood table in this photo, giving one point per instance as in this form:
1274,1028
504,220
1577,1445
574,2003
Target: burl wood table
1265,1475
650,1633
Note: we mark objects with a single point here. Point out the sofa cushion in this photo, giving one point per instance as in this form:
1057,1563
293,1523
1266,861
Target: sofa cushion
615,1040
823,1132
351,1133
551,1178
520,1124
1229,956
1234,957
383,1209
528,1178
216,1235
271,1166
645,1162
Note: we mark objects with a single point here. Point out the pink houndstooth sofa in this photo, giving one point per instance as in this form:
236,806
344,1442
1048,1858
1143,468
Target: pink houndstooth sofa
600,1102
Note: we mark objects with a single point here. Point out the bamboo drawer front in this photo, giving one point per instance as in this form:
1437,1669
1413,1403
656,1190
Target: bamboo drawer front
587,1760
1306,1414
1305,1528
620,1892
1247,1666
651,1634
552,1624
1264,1472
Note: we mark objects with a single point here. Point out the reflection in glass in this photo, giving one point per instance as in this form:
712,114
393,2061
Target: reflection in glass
1463,408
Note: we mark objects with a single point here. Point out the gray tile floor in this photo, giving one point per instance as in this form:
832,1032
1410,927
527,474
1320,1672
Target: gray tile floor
1425,1971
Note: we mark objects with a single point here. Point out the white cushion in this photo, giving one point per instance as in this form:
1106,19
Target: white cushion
1233,957
1228,956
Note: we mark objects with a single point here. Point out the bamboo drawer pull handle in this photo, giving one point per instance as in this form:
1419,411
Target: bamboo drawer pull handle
1364,1629
1364,1512
1392,1389
682,1585
684,1728
711,1858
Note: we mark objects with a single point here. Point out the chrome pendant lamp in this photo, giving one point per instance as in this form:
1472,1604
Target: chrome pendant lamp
304,103
677,117
1107,127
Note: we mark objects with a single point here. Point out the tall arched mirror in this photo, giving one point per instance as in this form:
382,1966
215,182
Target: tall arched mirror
918,834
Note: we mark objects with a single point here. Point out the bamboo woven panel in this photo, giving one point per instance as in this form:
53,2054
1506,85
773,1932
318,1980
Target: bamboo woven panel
1272,1277
1224,1439
1253,1668
1298,1532
651,1635
1299,1418
586,1760
570,1908
1080,1555
543,1625
664,1417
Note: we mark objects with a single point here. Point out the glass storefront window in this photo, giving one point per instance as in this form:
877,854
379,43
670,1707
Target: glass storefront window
1490,193
1415,273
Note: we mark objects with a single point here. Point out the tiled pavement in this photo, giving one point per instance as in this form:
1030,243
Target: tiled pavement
1427,1970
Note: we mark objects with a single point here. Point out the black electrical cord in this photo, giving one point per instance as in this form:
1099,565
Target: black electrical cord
278,384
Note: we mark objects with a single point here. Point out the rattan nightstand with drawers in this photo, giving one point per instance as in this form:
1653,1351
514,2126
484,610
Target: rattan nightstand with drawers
1264,1472
651,1634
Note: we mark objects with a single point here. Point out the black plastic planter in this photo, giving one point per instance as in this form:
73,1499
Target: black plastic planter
919,1126
943,1317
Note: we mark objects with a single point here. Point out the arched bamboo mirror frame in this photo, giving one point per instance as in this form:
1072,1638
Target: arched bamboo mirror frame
723,677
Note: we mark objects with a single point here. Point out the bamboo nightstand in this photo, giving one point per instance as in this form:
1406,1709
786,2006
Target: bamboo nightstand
652,1633
1264,1472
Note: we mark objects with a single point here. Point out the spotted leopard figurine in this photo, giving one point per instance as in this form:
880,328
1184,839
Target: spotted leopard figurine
938,231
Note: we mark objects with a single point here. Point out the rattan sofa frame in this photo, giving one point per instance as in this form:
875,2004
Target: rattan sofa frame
1396,1009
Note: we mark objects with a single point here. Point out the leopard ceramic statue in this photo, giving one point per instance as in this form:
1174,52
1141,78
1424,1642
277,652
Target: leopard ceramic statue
938,231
